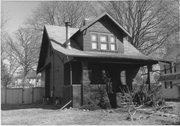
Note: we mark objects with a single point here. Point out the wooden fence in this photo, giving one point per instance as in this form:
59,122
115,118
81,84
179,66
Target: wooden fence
21,96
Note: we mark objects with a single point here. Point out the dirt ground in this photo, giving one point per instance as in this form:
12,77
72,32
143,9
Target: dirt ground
52,115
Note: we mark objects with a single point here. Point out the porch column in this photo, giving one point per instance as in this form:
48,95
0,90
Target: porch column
149,67
130,75
85,91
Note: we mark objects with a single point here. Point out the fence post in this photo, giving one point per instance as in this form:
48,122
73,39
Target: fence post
32,94
22,95
5,95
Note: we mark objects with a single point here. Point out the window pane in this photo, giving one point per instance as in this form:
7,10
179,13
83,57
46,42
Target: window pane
103,38
113,47
112,40
94,45
103,46
94,38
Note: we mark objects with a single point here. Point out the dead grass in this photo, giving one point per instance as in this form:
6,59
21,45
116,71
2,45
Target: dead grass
33,115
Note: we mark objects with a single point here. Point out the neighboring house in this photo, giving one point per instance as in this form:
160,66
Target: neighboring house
72,60
170,75
32,80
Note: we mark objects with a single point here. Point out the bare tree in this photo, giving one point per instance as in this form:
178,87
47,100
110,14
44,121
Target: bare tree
24,49
57,12
150,22
8,66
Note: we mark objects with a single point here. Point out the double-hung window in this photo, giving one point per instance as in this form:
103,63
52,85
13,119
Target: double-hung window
103,42
94,40
112,43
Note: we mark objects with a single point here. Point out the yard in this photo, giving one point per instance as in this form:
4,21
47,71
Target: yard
48,115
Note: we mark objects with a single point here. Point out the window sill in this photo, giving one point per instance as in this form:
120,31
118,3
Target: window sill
98,50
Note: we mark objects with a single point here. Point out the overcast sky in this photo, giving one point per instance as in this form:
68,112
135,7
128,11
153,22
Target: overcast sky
17,12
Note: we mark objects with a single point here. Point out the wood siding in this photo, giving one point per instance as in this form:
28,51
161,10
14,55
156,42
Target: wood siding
79,41
58,76
99,27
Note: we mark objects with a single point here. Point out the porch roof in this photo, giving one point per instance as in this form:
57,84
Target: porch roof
98,54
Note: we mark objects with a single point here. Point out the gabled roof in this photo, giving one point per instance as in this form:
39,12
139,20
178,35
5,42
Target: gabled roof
56,36
58,33
105,14
108,17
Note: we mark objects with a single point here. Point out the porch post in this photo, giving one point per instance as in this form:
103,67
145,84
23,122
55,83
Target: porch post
85,87
149,67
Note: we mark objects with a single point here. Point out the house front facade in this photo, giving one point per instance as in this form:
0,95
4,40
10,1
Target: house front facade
73,61
170,75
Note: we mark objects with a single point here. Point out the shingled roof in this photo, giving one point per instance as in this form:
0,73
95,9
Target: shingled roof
57,38
108,17
58,33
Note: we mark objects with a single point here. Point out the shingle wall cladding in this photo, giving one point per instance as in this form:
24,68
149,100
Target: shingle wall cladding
100,28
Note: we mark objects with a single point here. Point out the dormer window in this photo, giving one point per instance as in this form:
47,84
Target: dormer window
103,41
94,41
94,37
112,43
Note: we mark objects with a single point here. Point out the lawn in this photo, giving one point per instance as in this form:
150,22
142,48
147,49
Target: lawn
45,115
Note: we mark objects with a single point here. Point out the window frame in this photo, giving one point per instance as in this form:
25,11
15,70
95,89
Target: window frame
94,41
100,42
112,43
108,42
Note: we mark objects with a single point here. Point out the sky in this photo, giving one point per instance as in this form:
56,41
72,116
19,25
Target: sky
16,13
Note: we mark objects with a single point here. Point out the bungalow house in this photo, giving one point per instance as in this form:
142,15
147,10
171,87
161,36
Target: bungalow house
73,60
170,75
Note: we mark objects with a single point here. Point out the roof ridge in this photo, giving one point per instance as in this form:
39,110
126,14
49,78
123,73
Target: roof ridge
99,17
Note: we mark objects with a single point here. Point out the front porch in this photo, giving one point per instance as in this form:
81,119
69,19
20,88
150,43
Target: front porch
84,77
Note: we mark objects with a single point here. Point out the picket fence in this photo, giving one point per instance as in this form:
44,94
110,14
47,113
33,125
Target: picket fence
22,96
